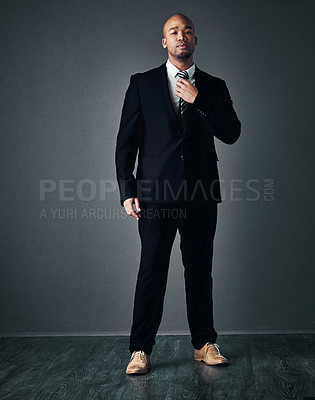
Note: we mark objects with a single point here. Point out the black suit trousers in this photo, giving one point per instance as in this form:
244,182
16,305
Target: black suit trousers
157,227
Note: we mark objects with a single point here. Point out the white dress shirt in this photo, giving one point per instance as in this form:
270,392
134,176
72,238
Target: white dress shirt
172,79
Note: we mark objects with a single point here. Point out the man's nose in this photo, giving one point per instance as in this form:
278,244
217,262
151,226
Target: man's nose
181,36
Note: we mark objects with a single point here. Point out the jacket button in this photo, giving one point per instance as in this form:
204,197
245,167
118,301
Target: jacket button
182,157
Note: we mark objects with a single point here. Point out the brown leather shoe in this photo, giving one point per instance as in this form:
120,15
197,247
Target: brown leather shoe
210,354
139,363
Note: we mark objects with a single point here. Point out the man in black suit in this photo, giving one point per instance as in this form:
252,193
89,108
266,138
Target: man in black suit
170,117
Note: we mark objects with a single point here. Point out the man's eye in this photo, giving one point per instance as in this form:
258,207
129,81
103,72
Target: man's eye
188,32
173,33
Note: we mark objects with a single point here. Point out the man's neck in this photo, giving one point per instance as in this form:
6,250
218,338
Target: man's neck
182,64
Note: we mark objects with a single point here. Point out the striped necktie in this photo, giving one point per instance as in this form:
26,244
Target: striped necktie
183,105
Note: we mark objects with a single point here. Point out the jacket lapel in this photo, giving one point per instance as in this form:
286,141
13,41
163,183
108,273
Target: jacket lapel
162,71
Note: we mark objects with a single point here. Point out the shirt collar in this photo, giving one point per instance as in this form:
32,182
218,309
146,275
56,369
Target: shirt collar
173,70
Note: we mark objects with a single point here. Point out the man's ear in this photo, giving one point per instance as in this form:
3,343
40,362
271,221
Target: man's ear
164,43
195,40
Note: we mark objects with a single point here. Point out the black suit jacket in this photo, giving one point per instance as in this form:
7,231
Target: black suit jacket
170,157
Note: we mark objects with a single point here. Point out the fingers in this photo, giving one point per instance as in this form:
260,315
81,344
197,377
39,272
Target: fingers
183,81
181,86
186,91
137,204
128,204
178,90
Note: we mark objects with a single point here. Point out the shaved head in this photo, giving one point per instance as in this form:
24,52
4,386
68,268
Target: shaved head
180,40
168,23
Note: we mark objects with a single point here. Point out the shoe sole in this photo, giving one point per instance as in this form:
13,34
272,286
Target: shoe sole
217,363
139,372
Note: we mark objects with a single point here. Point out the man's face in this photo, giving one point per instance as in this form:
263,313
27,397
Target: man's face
179,37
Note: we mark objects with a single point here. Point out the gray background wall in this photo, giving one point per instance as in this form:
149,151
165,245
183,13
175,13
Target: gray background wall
65,67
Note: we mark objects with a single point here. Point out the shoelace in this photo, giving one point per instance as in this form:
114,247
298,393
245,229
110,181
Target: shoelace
215,345
140,354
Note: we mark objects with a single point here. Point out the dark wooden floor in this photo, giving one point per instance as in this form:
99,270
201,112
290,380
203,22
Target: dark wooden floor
267,367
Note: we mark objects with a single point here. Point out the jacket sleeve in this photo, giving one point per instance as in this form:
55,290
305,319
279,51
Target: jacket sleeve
127,143
220,118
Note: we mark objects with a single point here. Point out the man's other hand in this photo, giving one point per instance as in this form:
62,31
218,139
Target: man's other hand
128,204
